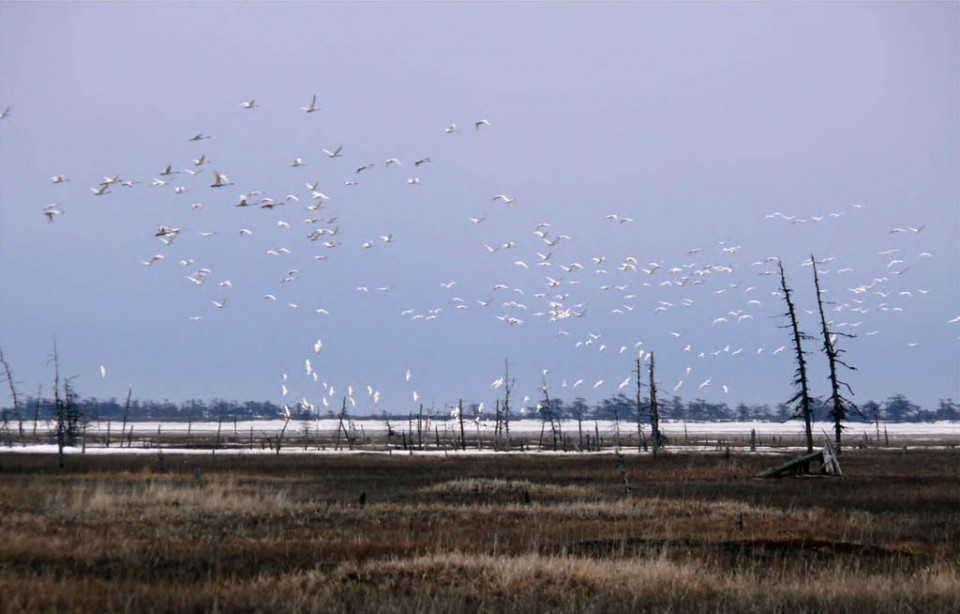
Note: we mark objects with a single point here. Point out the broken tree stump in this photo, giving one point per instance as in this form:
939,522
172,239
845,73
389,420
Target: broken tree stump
831,460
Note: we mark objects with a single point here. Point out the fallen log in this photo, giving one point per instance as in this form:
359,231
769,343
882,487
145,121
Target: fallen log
794,466
828,457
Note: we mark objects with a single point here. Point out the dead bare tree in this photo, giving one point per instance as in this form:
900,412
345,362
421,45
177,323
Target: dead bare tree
125,415
507,389
36,408
18,416
463,436
616,426
838,403
420,427
287,415
639,374
656,435
390,432
59,405
548,406
802,397
341,427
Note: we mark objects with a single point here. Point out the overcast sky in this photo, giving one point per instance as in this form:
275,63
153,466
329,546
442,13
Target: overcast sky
658,156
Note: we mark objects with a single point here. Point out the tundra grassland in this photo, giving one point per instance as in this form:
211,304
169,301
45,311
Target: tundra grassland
515,533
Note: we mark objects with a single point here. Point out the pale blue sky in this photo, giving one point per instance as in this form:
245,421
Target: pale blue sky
696,120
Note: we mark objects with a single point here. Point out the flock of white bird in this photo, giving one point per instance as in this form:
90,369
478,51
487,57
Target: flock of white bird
712,285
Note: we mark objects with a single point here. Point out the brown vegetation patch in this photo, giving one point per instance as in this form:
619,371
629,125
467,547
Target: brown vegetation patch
483,491
753,548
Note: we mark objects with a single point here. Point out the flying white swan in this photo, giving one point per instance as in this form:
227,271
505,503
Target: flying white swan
313,105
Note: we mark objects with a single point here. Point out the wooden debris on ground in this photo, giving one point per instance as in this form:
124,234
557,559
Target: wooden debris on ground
827,456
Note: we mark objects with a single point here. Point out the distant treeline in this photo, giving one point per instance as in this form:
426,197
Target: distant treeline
897,408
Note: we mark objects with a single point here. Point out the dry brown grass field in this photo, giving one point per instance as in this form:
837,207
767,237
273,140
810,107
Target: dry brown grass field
515,533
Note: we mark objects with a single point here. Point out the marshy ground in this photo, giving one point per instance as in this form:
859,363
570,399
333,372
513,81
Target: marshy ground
517,532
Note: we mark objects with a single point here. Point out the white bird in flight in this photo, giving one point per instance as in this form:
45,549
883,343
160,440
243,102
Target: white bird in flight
51,210
168,170
312,107
220,180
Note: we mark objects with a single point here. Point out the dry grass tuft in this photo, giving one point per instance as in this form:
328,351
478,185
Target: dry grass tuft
488,491
157,497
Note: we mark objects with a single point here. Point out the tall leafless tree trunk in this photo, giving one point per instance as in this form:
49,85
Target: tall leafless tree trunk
616,426
802,397
463,435
59,405
838,403
13,393
420,427
340,426
386,419
580,429
639,374
125,415
656,436
36,408
548,407
287,415
507,389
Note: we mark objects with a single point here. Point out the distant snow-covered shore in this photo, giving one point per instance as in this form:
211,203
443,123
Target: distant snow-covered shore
527,428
